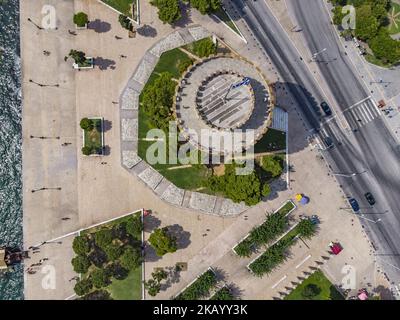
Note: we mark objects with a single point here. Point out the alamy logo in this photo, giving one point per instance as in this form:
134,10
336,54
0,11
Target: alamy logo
349,280
49,20
349,18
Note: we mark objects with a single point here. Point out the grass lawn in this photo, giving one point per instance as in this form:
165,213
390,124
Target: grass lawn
286,208
221,14
273,140
394,18
93,138
170,61
328,290
123,6
372,59
128,289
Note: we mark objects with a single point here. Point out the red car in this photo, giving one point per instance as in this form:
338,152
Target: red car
336,248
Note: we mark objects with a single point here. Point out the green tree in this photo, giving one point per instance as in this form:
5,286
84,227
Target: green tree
272,165
158,99
366,23
100,278
86,124
223,294
168,10
153,287
131,258
80,264
385,48
162,241
134,226
306,228
184,65
310,291
113,251
81,245
103,238
83,287
81,19
125,22
97,295
159,275
337,15
78,56
206,6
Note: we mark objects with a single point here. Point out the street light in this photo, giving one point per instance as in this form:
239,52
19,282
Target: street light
370,220
317,53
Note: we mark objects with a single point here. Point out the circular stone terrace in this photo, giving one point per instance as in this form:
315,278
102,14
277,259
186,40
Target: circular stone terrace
220,95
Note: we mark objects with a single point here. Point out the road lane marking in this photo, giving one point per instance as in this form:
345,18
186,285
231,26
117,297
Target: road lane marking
304,260
276,284
357,103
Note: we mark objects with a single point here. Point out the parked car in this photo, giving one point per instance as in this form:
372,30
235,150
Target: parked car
354,205
326,108
370,198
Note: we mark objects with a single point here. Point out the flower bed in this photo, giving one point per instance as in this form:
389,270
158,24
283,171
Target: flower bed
274,225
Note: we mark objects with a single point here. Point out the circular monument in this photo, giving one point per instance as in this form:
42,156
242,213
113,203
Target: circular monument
223,96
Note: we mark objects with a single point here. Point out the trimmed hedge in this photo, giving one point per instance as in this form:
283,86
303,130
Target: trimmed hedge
200,288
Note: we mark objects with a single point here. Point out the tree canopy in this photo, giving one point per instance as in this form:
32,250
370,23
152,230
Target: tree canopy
158,99
162,241
168,10
206,6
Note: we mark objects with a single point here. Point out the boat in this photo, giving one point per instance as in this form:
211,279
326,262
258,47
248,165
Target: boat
10,257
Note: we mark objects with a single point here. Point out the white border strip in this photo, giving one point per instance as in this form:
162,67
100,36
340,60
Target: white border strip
115,10
240,35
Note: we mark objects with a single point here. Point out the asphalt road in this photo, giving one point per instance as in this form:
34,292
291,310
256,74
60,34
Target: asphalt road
369,149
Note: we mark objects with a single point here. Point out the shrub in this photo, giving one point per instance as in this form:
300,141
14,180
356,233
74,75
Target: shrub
269,260
100,278
78,56
87,151
86,124
204,48
183,65
310,291
131,258
153,287
81,245
162,242
244,248
83,287
103,238
266,190
80,19
80,264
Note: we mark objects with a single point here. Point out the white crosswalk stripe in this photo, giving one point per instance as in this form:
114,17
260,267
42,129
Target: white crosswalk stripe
361,114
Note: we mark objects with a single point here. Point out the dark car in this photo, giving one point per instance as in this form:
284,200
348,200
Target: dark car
328,142
326,108
370,198
354,205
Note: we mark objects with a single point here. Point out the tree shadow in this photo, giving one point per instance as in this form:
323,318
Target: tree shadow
107,125
182,237
104,64
383,292
150,254
151,222
174,276
99,26
236,291
186,16
106,150
147,31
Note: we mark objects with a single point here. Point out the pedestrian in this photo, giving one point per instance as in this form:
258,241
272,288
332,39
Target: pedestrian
72,32
118,38
122,56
